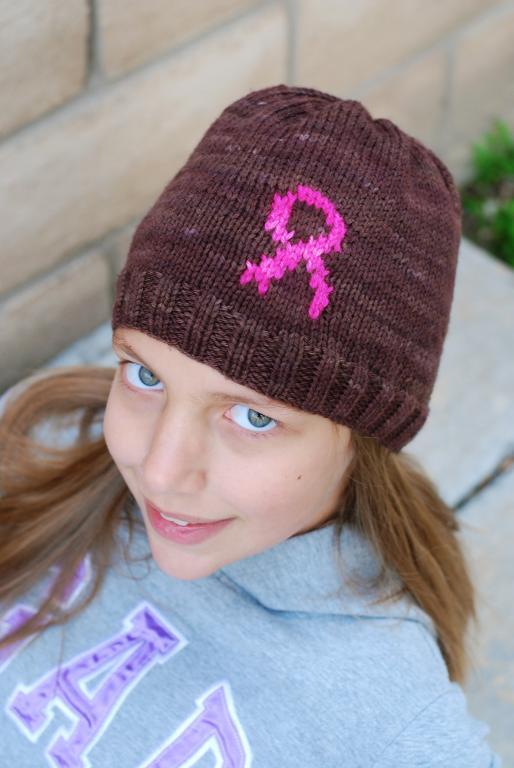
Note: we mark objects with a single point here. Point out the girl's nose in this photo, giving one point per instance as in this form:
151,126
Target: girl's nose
174,462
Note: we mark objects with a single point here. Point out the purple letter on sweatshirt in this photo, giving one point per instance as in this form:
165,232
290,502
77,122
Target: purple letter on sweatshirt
214,726
147,640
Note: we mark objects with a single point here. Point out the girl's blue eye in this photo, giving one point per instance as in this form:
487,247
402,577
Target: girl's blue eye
255,419
143,375
249,417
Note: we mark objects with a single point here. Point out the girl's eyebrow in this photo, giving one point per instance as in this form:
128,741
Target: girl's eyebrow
123,345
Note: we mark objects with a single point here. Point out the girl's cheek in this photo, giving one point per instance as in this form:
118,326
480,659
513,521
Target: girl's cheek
117,431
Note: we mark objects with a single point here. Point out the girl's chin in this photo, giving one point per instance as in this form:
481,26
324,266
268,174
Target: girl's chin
178,563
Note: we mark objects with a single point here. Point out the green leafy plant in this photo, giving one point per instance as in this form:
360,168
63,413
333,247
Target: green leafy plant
488,198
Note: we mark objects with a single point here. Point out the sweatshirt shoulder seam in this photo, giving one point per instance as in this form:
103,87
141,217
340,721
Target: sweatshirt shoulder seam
407,725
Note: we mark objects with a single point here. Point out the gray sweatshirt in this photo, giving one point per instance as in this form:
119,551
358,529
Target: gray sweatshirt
271,662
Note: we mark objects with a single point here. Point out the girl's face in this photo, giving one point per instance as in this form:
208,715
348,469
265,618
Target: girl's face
186,448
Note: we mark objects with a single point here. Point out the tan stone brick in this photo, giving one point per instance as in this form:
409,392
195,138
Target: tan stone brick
131,31
95,166
40,320
341,43
43,56
119,246
483,81
413,97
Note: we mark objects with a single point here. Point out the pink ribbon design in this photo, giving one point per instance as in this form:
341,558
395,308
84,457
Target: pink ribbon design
290,255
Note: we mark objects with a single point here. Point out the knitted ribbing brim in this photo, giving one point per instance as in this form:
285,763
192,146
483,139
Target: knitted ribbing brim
308,251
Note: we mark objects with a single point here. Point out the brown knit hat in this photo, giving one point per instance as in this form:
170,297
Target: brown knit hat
307,251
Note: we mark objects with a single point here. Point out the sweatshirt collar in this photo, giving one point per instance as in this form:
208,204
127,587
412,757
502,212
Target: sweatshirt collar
301,573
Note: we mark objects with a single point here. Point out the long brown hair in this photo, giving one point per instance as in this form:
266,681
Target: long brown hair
61,503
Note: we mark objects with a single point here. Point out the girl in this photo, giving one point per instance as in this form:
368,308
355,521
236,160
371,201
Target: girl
228,560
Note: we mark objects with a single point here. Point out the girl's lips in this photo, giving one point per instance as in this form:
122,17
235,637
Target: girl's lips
183,534
185,518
